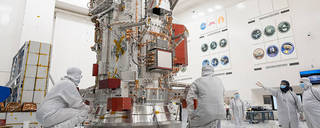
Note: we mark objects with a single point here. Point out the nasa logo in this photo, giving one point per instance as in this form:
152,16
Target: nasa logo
203,26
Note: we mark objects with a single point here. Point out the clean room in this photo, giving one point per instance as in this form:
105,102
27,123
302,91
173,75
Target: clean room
159,64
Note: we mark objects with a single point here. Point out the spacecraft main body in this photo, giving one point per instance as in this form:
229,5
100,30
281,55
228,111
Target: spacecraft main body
139,50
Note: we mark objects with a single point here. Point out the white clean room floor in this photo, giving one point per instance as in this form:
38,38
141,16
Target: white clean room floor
266,124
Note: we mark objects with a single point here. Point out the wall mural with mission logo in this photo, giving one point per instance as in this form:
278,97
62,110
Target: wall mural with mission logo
213,36
272,38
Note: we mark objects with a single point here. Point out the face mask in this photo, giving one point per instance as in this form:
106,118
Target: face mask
237,95
77,82
283,86
301,85
75,78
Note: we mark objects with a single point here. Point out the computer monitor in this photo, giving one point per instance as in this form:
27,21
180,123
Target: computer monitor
313,75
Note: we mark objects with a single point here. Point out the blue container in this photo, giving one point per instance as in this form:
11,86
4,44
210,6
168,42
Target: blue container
4,93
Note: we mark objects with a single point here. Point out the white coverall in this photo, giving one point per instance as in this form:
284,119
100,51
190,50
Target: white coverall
237,110
288,107
209,92
63,106
311,104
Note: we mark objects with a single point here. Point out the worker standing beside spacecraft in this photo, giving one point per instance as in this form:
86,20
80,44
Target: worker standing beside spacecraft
208,91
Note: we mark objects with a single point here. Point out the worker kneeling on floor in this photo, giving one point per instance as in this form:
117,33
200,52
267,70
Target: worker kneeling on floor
63,106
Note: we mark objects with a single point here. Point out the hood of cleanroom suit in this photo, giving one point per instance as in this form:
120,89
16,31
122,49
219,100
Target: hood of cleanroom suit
63,103
286,86
307,83
74,74
207,70
311,104
209,92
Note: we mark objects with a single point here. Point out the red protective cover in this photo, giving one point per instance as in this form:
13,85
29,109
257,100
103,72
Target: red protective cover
181,51
184,103
195,103
95,68
109,83
119,104
2,122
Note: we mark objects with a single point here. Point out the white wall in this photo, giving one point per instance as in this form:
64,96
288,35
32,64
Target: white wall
23,20
38,21
305,21
20,21
11,19
73,37
80,3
